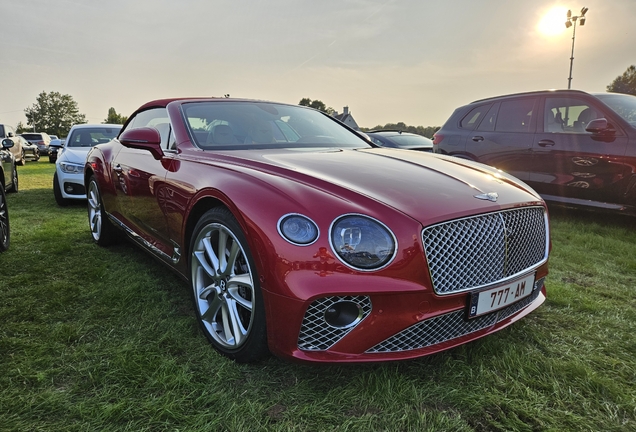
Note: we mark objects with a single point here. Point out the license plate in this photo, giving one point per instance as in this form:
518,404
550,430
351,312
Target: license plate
493,299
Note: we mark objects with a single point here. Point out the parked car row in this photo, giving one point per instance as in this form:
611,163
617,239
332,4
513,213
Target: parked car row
304,238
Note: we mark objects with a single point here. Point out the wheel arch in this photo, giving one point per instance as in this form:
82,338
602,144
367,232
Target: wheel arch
200,207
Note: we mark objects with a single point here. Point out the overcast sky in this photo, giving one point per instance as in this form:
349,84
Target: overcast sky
387,60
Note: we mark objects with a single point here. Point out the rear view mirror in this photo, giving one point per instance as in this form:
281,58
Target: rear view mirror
144,138
599,126
7,143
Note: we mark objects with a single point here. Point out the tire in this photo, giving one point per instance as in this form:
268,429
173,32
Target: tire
57,193
14,181
23,159
103,231
37,156
5,236
227,297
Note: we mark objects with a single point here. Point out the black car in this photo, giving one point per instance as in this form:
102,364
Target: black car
4,222
574,148
399,139
8,170
7,173
54,147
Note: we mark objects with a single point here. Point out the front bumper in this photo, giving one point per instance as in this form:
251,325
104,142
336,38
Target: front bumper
403,324
71,185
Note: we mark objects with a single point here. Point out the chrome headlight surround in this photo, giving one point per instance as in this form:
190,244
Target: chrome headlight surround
298,229
361,242
71,168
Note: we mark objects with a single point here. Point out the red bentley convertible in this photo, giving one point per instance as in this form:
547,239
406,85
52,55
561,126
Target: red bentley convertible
299,236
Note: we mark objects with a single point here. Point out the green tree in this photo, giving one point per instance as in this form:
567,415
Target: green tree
625,83
114,118
54,113
22,128
316,104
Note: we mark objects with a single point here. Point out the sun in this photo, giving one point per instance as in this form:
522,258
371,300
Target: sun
553,22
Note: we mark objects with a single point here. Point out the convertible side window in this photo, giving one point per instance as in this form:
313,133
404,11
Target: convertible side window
157,118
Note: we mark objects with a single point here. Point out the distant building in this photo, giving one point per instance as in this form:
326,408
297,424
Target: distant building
346,118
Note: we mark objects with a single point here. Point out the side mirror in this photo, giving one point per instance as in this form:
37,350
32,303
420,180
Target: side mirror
144,138
600,126
7,143
10,135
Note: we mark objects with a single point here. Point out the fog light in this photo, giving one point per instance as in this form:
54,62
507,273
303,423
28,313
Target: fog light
68,188
343,314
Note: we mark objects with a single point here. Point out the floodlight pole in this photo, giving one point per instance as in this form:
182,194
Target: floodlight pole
572,55
571,21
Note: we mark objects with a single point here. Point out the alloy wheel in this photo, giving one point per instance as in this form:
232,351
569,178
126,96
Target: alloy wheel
223,286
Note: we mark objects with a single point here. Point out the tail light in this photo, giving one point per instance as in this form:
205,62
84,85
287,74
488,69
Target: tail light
437,138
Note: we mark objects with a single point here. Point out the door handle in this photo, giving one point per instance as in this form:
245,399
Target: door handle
477,138
546,143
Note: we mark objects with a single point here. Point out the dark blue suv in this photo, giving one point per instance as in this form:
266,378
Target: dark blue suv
572,147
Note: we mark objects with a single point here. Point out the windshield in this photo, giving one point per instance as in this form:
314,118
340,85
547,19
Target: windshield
32,136
624,105
88,137
241,125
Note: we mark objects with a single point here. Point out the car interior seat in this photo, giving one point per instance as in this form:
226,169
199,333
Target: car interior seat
222,134
260,132
551,123
85,139
584,118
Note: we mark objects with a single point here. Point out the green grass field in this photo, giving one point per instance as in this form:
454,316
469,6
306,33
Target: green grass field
106,339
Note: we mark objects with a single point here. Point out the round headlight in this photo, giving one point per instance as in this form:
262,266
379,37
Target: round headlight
298,229
362,242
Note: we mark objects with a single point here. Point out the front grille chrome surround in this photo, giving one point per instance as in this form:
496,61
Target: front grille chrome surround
478,251
316,334
449,326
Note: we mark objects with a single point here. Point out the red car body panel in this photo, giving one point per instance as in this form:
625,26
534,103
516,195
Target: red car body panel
159,200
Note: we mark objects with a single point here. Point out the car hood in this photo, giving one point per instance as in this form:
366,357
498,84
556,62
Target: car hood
74,154
425,186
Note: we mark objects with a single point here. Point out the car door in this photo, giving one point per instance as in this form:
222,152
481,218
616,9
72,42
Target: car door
503,138
7,165
570,162
138,178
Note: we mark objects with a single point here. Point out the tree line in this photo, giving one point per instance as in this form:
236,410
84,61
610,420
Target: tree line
55,113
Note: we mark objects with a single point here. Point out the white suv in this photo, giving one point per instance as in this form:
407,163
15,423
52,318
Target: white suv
68,181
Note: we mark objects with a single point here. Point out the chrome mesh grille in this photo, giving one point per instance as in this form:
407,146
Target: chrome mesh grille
449,326
468,253
316,334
